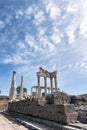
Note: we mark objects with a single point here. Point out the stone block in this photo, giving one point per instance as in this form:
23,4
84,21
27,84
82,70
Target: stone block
42,102
65,108
69,117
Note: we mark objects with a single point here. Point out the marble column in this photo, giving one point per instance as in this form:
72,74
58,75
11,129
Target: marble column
49,91
39,90
51,83
55,80
12,94
31,92
36,92
21,87
45,85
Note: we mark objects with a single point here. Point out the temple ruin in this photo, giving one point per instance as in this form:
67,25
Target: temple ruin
54,106
47,90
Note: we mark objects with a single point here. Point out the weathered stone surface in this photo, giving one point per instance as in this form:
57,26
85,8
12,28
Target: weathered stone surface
58,98
69,117
3,102
79,100
58,113
80,103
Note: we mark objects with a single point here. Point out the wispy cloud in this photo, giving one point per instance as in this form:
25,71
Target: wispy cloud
50,33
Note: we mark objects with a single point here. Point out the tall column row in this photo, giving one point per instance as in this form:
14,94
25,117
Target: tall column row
45,85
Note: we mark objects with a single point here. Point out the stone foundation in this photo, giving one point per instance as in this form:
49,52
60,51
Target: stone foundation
64,114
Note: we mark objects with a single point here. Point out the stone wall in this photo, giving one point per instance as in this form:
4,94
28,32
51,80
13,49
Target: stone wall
3,102
80,103
59,113
58,98
82,114
79,100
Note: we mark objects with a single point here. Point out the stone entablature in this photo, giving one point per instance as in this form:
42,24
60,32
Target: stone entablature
64,113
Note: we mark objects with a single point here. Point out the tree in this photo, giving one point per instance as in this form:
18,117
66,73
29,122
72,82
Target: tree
18,90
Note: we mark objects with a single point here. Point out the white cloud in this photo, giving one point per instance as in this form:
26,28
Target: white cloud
15,59
70,33
71,9
56,39
21,45
47,45
83,26
56,35
32,43
1,24
54,12
29,10
83,15
39,17
53,9
41,31
19,13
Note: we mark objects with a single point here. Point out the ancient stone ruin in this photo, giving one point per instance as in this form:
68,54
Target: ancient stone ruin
45,74
64,113
53,107
3,102
13,95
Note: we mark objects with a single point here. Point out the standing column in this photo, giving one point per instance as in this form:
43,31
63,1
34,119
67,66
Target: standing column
45,85
51,82
21,87
36,92
12,94
55,80
39,90
31,93
48,90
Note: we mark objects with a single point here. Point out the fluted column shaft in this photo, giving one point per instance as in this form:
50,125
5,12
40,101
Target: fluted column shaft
55,80
21,87
51,83
12,94
39,90
45,85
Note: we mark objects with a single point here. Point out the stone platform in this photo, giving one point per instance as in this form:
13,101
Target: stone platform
63,114
52,125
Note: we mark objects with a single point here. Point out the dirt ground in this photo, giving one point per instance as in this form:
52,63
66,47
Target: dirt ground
9,123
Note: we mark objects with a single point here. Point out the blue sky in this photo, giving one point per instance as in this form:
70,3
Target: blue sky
47,33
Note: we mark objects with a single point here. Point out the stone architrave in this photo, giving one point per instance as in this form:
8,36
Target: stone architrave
21,87
12,94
